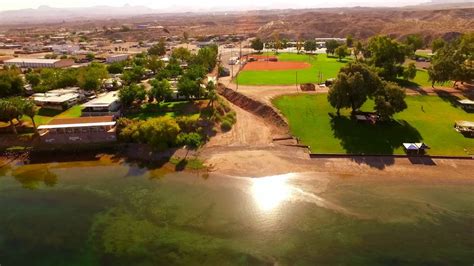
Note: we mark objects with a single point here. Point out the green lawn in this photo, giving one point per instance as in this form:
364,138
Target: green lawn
309,120
328,66
44,116
172,109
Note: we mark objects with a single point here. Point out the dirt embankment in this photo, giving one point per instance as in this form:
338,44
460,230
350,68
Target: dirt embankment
255,107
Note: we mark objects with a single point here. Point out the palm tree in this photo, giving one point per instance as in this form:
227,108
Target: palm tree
29,109
9,111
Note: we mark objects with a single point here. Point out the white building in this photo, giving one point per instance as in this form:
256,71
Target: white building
61,99
107,104
116,58
39,63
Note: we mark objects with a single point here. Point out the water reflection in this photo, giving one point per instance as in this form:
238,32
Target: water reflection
269,192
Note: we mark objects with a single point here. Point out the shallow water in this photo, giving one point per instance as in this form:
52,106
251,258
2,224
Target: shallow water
107,212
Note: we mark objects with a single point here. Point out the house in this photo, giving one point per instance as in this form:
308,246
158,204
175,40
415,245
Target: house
39,63
82,130
116,58
107,104
467,104
60,99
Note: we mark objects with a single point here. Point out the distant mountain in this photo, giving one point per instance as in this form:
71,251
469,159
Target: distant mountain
451,1
51,14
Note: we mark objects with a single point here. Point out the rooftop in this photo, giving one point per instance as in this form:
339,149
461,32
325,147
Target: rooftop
103,100
79,122
56,98
466,101
33,60
465,124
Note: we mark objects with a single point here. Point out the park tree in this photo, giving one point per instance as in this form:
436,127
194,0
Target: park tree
10,111
33,78
331,46
437,44
188,88
160,90
131,94
348,91
69,77
133,75
172,70
338,96
409,73
341,52
11,83
276,42
195,72
349,40
454,61
299,45
155,64
207,57
414,42
357,82
257,45
160,133
158,49
358,49
353,85
387,55
211,93
389,101
181,53
191,140
310,46
90,78
115,68
28,108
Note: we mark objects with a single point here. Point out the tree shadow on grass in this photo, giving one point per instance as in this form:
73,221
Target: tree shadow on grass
408,84
365,139
181,165
49,112
448,97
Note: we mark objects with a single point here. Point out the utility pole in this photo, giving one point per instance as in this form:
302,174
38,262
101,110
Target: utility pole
296,83
240,57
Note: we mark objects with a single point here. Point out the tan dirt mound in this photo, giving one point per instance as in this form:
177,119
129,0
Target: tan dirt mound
255,107
276,65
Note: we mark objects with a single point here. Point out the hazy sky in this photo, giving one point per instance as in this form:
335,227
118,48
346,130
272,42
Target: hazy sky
190,5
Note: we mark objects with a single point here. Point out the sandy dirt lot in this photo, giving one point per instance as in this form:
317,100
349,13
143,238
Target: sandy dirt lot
249,130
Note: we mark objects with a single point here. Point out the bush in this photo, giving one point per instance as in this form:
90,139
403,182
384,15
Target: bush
226,125
231,117
188,123
160,133
192,140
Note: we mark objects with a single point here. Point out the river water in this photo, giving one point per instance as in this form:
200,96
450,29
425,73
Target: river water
111,212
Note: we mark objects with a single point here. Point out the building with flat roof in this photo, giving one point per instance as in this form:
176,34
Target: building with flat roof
82,130
467,104
39,63
60,99
107,104
116,58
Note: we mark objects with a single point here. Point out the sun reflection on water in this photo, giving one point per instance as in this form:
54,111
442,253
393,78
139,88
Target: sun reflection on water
269,192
